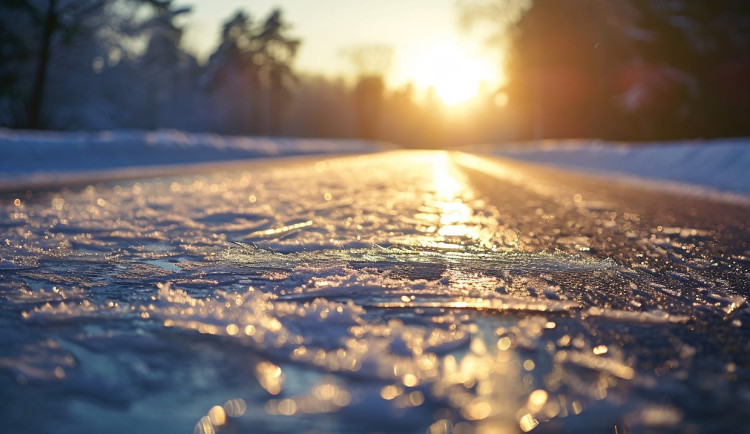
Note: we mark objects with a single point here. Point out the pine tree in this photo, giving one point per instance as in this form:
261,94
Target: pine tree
250,74
167,72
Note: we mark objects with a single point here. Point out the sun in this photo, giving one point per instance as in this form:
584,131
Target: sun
454,74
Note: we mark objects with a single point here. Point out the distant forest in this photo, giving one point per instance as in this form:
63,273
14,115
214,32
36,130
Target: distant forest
612,69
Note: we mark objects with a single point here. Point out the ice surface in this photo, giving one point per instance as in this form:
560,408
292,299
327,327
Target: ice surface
384,292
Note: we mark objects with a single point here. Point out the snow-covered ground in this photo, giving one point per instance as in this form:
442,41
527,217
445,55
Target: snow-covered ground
30,159
716,165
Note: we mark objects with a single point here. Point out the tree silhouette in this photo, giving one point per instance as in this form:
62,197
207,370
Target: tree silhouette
33,27
63,51
250,74
630,69
164,65
371,63
275,52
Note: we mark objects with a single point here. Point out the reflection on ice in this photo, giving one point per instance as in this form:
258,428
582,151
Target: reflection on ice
328,396
487,382
270,376
457,224
446,184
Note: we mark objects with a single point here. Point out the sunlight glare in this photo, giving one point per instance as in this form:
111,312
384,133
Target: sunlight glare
454,74
446,185
455,215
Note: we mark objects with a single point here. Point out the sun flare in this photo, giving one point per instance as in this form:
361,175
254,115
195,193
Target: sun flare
454,74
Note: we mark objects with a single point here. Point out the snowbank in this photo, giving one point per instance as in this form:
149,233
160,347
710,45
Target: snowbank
719,164
29,158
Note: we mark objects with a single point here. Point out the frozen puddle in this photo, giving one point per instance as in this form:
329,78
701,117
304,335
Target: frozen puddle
279,297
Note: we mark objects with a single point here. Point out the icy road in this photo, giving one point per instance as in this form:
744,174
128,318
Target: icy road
401,291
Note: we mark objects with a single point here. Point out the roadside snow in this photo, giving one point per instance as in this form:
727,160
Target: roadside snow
31,158
722,165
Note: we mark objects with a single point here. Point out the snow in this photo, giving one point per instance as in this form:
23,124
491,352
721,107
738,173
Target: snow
716,165
37,158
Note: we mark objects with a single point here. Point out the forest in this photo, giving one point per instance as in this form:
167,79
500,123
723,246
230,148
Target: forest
621,70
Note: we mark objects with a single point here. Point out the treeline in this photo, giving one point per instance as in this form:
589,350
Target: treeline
98,64
626,69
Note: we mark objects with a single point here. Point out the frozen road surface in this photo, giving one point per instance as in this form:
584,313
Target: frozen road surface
403,291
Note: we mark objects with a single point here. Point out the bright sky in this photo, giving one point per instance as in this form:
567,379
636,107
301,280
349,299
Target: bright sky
429,47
